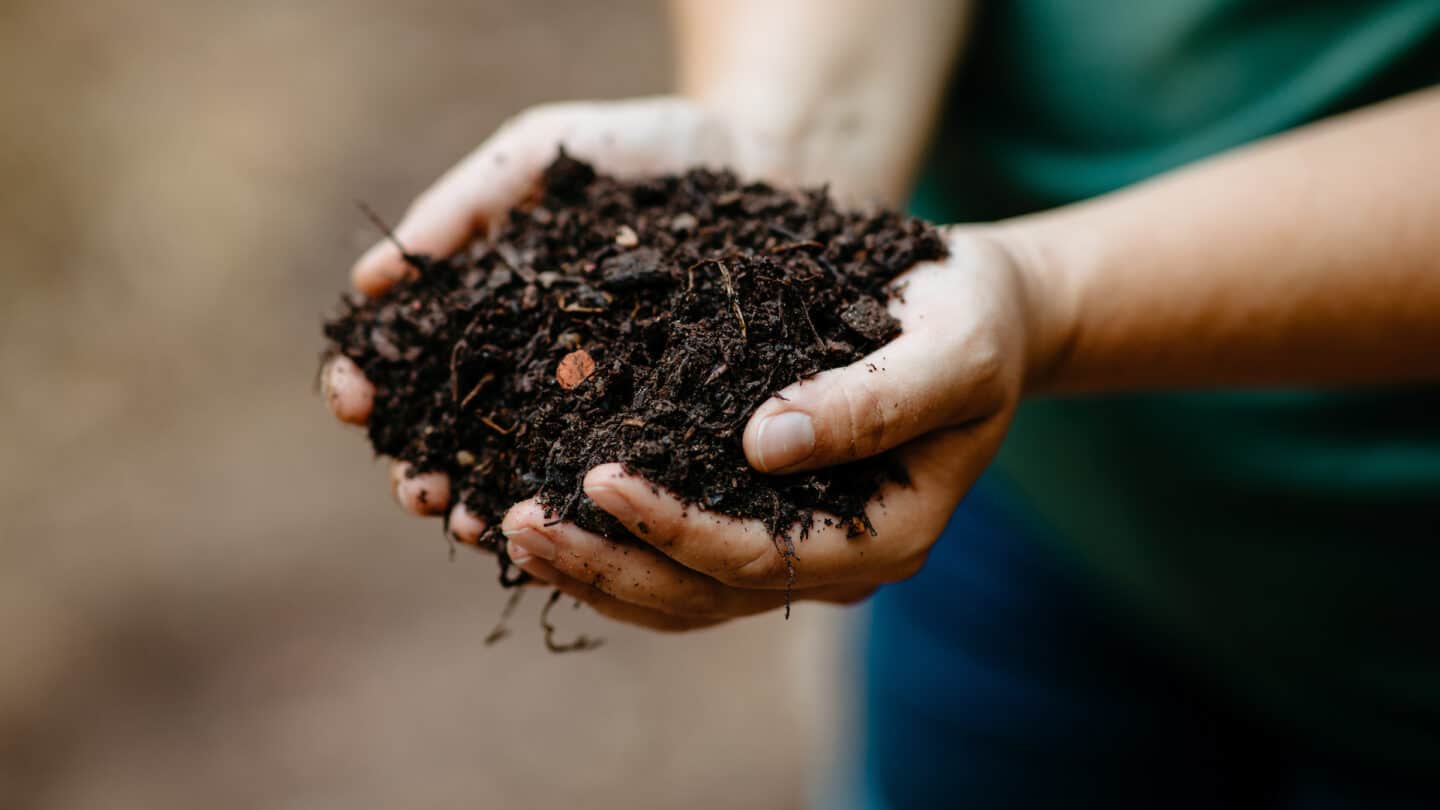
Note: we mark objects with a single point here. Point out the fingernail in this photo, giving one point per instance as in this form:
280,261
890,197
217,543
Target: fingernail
610,500
784,440
525,543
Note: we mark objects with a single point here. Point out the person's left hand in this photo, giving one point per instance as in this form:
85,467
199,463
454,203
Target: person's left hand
940,396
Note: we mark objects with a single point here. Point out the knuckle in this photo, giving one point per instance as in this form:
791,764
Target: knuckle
866,420
760,567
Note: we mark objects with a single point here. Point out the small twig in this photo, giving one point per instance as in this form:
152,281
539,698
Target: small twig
805,310
734,300
729,290
778,249
567,307
501,631
449,538
784,232
415,260
490,423
568,510
454,370
581,642
786,549
829,267
474,392
769,386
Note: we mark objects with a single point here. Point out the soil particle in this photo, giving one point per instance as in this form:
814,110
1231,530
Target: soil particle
633,321
870,320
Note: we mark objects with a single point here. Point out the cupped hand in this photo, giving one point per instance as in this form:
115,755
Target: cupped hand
625,138
940,396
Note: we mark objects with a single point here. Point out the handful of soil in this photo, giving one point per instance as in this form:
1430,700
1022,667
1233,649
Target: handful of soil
632,321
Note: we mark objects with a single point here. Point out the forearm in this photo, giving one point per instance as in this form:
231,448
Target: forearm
841,91
1309,258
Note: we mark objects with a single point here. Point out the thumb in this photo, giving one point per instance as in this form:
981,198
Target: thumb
903,390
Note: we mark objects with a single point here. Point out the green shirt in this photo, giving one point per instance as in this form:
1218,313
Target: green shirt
1287,542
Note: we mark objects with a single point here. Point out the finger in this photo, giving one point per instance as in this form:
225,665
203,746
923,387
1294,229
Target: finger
610,607
425,494
488,182
465,526
623,139
439,223
347,392
443,219
744,554
925,379
637,575
633,574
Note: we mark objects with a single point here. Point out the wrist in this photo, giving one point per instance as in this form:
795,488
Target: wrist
1048,301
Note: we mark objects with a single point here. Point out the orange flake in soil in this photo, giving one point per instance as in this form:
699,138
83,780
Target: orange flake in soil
575,368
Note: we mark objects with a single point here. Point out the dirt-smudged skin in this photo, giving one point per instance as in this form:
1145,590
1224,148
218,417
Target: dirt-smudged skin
633,321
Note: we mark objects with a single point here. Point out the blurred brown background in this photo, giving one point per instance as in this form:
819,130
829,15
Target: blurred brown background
206,597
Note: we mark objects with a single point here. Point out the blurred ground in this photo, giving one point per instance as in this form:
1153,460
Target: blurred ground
206,597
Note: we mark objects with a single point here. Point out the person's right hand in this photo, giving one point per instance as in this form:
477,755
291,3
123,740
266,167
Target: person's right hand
625,138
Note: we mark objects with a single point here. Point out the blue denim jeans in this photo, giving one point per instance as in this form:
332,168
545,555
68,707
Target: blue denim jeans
998,678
